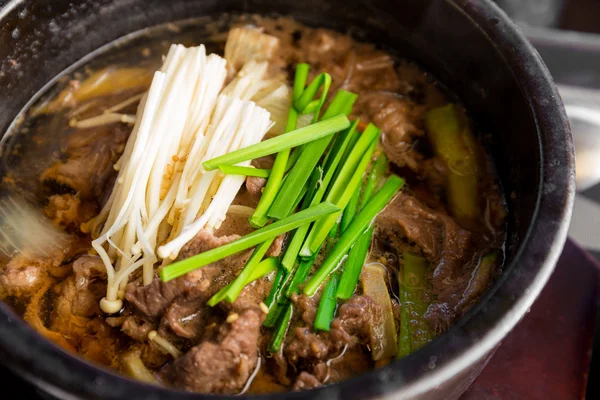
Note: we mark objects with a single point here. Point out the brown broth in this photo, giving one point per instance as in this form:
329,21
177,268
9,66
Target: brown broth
39,140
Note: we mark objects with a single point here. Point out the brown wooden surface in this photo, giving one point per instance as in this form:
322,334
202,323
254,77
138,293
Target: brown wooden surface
581,15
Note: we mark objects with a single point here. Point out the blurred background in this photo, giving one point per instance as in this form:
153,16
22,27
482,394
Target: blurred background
567,35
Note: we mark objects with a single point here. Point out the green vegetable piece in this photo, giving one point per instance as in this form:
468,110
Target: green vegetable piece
327,305
414,329
356,228
455,144
343,188
310,156
245,171
293,247
354,265
274,183
383,331
294,221
295,138
376,176
282,328
351,209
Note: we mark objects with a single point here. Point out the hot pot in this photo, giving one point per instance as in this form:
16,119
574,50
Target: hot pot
469,45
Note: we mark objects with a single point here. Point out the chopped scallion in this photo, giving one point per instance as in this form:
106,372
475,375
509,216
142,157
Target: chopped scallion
300,136
321,227
351,209
323,82
375,177
245,171
310,156
356,228
293,247
260,235
354,264
327,305
274,183
282,329
242,279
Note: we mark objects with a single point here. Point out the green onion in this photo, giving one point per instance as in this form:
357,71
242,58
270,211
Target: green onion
282,329
241,280
341,198
310,156
277,228
414,329
245,171
280,301
295,138
300,276
272,297
356,228
323,80
274,183
327,305
341,104
375,177
354,264
338,148
293,247
351,209
453,141
312,107
293,158
346,139
305,265
265,267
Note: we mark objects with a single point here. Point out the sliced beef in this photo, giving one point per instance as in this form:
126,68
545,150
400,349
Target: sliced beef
24,273
265,162
310,352
306,381
442,240
276,247
401,122
254,184
186,319
222,365
67,210
351,362
71,300
354,321
321,46
440,316
152,300
86,269
21,277
133,325
89,158
250,297
205,241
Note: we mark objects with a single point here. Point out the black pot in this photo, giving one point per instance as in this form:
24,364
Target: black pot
470,45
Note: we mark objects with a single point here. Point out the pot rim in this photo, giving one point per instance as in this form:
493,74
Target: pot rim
548,231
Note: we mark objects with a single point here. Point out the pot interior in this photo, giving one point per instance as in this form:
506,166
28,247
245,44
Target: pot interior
39,40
